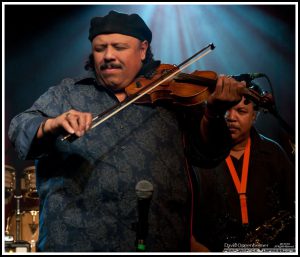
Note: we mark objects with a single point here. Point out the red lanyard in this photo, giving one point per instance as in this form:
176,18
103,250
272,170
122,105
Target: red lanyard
241,185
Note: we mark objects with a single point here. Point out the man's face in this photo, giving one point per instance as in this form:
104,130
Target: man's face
118,58
240,119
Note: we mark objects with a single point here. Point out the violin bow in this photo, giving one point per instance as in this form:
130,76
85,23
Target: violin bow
100,118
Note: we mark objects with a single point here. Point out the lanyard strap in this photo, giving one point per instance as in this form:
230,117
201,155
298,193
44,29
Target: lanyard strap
241,185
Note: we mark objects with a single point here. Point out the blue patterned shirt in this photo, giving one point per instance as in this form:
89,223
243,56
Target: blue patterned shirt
87,192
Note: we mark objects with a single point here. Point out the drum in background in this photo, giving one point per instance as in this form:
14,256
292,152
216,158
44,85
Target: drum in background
29,204
10,182
9,211
29,227
28,183
10,187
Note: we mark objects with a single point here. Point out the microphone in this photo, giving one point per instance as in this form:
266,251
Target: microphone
247,77
144,191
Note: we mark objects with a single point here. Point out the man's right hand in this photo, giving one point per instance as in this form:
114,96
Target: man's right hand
72,121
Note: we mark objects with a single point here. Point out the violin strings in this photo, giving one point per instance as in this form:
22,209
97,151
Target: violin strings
169,76
120,106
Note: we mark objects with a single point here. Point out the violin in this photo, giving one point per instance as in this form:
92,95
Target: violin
184,89
168,83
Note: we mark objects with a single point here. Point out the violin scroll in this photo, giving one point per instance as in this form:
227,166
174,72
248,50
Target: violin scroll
264,100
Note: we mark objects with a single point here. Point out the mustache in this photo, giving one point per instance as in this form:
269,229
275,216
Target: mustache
110,66
230,126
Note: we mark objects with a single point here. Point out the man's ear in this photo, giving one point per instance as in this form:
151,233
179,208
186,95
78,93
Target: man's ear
143,49
255,116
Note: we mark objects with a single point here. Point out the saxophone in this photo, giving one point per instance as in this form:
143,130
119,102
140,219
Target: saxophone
276,232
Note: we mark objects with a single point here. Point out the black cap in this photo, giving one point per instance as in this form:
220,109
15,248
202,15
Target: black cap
115,22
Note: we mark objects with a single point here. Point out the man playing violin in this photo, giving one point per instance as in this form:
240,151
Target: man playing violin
86,187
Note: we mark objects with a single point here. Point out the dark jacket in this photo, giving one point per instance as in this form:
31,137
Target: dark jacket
270,189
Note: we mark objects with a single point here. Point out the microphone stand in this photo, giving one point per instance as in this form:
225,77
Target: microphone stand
18,218
269,105
286,127
19,245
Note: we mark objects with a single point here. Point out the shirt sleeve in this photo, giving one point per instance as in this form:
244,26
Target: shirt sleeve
23,127
200,153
